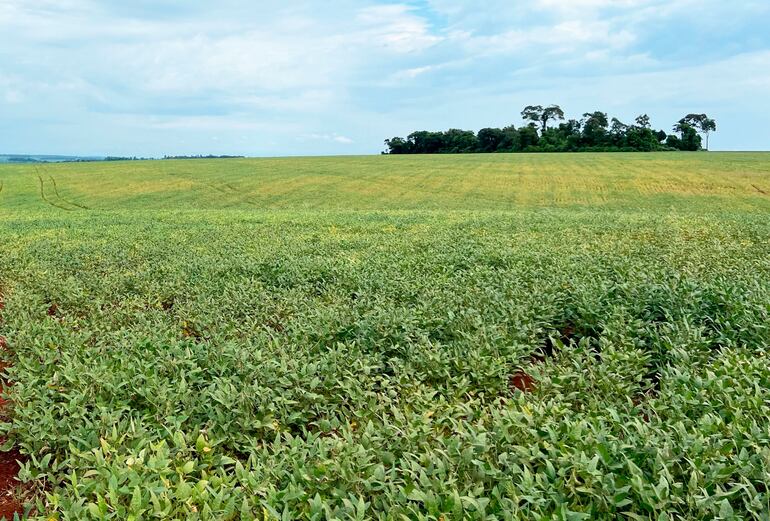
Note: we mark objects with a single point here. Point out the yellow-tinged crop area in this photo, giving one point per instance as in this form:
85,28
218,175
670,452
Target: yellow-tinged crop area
569,336
451,182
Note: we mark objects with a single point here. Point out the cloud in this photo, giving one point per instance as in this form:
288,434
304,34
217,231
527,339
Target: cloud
394,27
332,138
352,72
569,36
580,6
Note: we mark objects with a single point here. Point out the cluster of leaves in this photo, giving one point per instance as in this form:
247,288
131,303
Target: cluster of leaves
242,365
595,132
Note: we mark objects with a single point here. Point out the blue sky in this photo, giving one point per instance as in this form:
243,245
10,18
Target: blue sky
337,77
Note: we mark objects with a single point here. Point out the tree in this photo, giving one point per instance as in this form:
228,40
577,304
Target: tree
595,128
424,142
643,139
643,121
539,115
594,132
595,119
618,131
701,123
528,137
397,145
458,141
511,140
490,139
690,140
707,126
533,113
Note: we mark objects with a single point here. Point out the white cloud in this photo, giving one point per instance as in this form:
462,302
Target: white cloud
365,68
573,6
331,138
570,36
394,27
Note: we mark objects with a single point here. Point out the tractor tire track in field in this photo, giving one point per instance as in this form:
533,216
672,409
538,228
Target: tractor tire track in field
10,502
56,191
48,201
59,201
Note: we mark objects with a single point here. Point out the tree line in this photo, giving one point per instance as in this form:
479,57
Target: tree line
548,131
134,158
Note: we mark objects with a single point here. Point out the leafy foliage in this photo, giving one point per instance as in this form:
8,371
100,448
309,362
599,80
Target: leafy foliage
320,364
593,133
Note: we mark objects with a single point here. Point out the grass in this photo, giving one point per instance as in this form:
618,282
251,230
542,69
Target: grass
319,338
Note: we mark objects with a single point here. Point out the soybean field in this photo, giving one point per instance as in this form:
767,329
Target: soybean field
497,336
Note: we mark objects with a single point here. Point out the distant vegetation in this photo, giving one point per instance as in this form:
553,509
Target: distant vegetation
22,158
26,158
594,132
210,156
203,157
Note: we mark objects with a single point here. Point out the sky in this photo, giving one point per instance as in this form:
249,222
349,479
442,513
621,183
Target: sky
301,77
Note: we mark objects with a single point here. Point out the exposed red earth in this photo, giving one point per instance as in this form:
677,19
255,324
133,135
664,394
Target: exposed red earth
522,382
9,469
10,503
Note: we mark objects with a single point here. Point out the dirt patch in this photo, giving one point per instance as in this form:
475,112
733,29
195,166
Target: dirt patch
9,469
10,500
521,381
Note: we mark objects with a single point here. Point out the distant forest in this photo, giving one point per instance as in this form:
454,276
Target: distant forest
594,132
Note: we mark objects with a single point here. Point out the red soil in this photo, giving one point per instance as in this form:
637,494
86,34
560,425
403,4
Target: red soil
522,381
9,469
10,503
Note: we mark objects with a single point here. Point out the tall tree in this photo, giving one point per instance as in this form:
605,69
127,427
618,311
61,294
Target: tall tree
701,123
618,129
690,140
595,128
533,113
539,115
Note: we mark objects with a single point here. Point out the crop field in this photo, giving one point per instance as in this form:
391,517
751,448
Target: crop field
424,337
